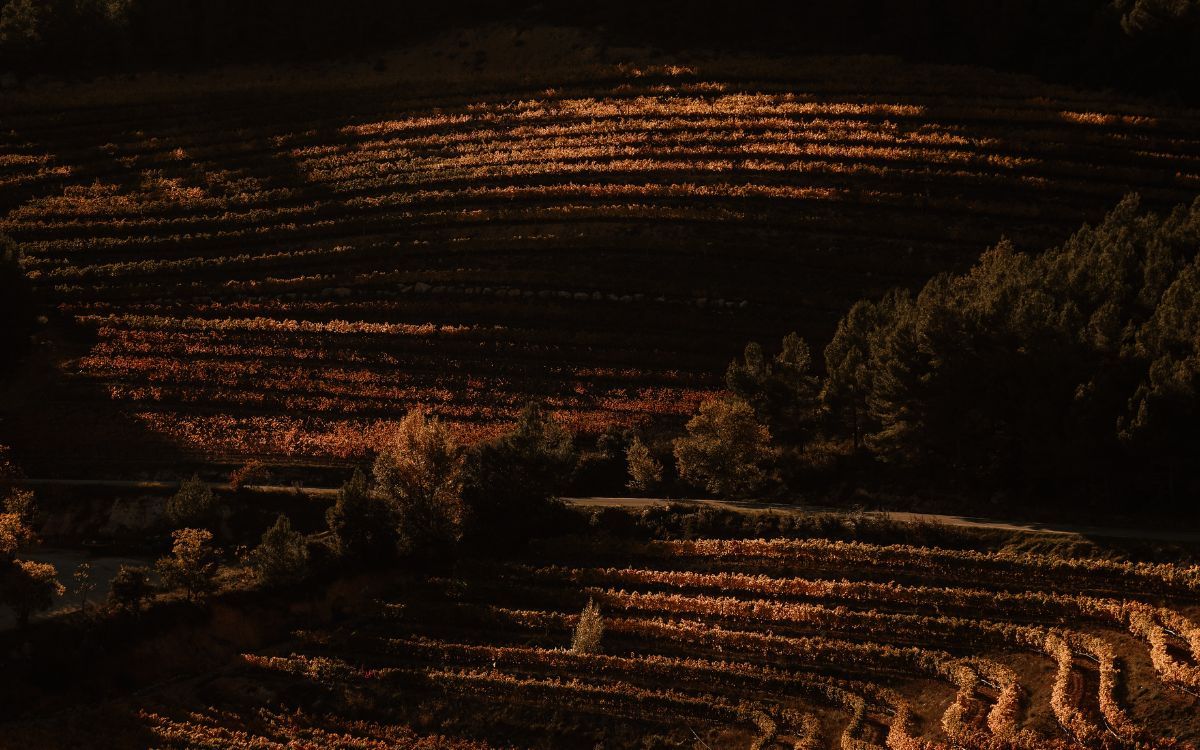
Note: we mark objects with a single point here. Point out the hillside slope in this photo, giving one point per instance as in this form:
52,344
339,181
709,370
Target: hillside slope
282,266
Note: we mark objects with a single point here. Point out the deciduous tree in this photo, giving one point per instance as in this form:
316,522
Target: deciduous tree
83,584
725,450
192,564
28,587
419,473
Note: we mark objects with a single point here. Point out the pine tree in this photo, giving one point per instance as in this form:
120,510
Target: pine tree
510,482
362,523
195,504
282,556
784,392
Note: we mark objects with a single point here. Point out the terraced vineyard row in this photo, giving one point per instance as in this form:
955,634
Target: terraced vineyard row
693,648
277,278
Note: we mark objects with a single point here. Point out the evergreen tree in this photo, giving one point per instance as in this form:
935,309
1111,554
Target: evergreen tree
362,523
282,556
848,365
1069,371
783,391
589,630
645,471
510,481
195,504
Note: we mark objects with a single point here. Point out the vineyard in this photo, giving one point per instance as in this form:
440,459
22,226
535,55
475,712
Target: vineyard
283,274
708,643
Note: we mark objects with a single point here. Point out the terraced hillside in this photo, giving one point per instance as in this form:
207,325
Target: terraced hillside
708,643
283,273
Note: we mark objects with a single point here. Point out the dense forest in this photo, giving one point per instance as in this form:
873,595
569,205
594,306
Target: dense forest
1146,46
1070,374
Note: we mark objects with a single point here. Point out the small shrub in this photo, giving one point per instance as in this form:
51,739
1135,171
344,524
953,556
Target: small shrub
589,630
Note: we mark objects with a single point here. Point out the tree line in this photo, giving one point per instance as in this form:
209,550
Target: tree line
1069,374
1147,46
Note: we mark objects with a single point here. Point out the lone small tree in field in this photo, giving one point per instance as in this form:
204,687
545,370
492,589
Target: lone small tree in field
282,557
29,587
419,473
194,504
130,588
192,565
83,584
725,449
645,471
589,630
362,524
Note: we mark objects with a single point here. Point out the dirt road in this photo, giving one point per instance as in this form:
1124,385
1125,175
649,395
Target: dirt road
744,506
